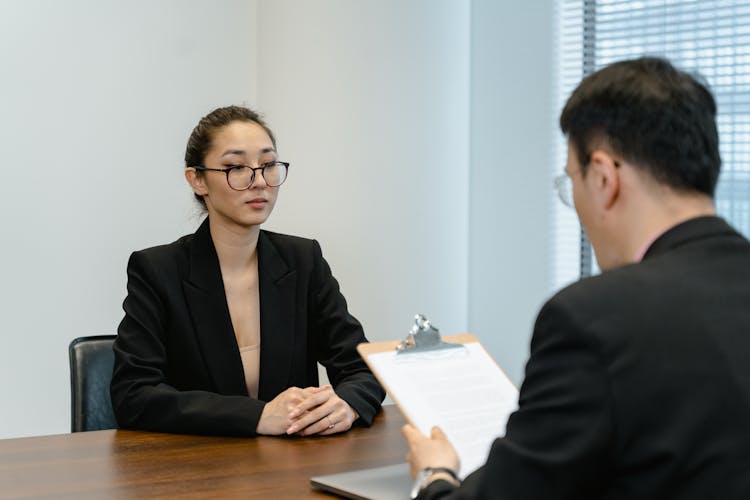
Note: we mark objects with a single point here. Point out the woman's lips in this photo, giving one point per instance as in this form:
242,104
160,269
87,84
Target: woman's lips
257,202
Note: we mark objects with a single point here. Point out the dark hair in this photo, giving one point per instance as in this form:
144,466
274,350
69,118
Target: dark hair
655,116
203,134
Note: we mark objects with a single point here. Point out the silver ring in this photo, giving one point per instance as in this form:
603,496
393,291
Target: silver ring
331,425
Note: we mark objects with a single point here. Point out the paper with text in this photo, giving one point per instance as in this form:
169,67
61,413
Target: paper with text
462,391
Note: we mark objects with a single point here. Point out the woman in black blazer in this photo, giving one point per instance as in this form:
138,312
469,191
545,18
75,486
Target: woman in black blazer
224,328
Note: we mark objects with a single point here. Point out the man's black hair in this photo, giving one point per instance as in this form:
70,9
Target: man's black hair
654,116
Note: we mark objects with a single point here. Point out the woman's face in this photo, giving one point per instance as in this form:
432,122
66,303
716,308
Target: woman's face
238,143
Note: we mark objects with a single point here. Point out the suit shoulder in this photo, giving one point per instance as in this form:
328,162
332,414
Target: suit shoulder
604,297
587,312
164,256
602,287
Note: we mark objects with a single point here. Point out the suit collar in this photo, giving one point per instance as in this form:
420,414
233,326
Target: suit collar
688,231
204,261
269,259
277,283
206,297
207,303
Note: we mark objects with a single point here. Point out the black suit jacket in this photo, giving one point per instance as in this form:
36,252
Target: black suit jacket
177,364
638,383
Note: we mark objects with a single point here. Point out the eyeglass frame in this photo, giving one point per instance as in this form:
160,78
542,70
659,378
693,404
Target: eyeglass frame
564,186
262,168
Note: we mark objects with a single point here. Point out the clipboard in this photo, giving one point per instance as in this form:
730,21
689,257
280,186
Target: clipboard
451,382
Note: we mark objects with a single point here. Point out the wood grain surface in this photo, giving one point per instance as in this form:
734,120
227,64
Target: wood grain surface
135,464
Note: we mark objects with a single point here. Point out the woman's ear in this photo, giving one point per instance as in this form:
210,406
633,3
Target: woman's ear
196,180
605,178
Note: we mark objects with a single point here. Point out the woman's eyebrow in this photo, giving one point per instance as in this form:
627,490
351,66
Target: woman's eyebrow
242,152
233,152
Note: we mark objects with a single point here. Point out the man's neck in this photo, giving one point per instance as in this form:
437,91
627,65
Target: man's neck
654,216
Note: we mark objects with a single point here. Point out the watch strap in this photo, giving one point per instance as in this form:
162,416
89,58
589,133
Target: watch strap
426,473
435,470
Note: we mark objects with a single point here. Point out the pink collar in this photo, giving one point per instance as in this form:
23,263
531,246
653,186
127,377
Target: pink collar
644,248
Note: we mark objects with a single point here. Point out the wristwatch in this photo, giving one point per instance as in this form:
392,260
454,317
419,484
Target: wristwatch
425,474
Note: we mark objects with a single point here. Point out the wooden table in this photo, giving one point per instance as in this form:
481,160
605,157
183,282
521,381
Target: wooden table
135,464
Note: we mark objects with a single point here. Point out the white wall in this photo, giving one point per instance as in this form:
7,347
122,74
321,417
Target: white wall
97,100
512,70
369,100
372,101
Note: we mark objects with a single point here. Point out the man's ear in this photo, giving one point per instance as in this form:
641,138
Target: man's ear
196,180
605,177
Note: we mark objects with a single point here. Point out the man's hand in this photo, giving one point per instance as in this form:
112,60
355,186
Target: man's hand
433,451
322,413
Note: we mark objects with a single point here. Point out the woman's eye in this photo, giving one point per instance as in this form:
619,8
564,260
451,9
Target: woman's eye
232,166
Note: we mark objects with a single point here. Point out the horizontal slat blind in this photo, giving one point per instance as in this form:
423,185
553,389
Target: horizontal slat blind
710,37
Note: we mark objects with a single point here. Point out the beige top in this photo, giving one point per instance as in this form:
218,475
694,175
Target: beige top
248,340
243,298
250,363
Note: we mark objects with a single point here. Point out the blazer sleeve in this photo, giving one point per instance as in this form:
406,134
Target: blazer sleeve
142,398
337,334
556,444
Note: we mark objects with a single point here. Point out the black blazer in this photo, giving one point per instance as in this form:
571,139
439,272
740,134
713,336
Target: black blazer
638,383
177,364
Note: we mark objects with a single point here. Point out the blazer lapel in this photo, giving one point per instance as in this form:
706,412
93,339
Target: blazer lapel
207,304
277,309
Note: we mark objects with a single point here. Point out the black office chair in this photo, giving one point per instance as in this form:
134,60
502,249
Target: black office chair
91,361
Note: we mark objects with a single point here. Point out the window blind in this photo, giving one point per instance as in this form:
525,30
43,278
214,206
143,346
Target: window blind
709,37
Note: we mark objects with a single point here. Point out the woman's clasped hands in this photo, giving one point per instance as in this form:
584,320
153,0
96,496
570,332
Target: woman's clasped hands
306,412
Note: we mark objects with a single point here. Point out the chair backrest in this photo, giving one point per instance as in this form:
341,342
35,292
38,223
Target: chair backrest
91,362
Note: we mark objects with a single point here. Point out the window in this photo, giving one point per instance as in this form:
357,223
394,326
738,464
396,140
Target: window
710,37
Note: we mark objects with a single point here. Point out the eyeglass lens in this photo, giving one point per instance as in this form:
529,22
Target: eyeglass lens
564,185
242,177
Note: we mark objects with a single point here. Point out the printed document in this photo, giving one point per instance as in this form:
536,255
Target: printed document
463,391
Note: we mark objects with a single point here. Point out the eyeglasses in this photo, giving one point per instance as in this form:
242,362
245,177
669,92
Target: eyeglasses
241,177
564,187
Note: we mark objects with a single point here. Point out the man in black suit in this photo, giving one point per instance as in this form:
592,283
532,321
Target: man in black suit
638,382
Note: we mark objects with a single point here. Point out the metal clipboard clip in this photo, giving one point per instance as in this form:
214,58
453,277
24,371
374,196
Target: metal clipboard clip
425,338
